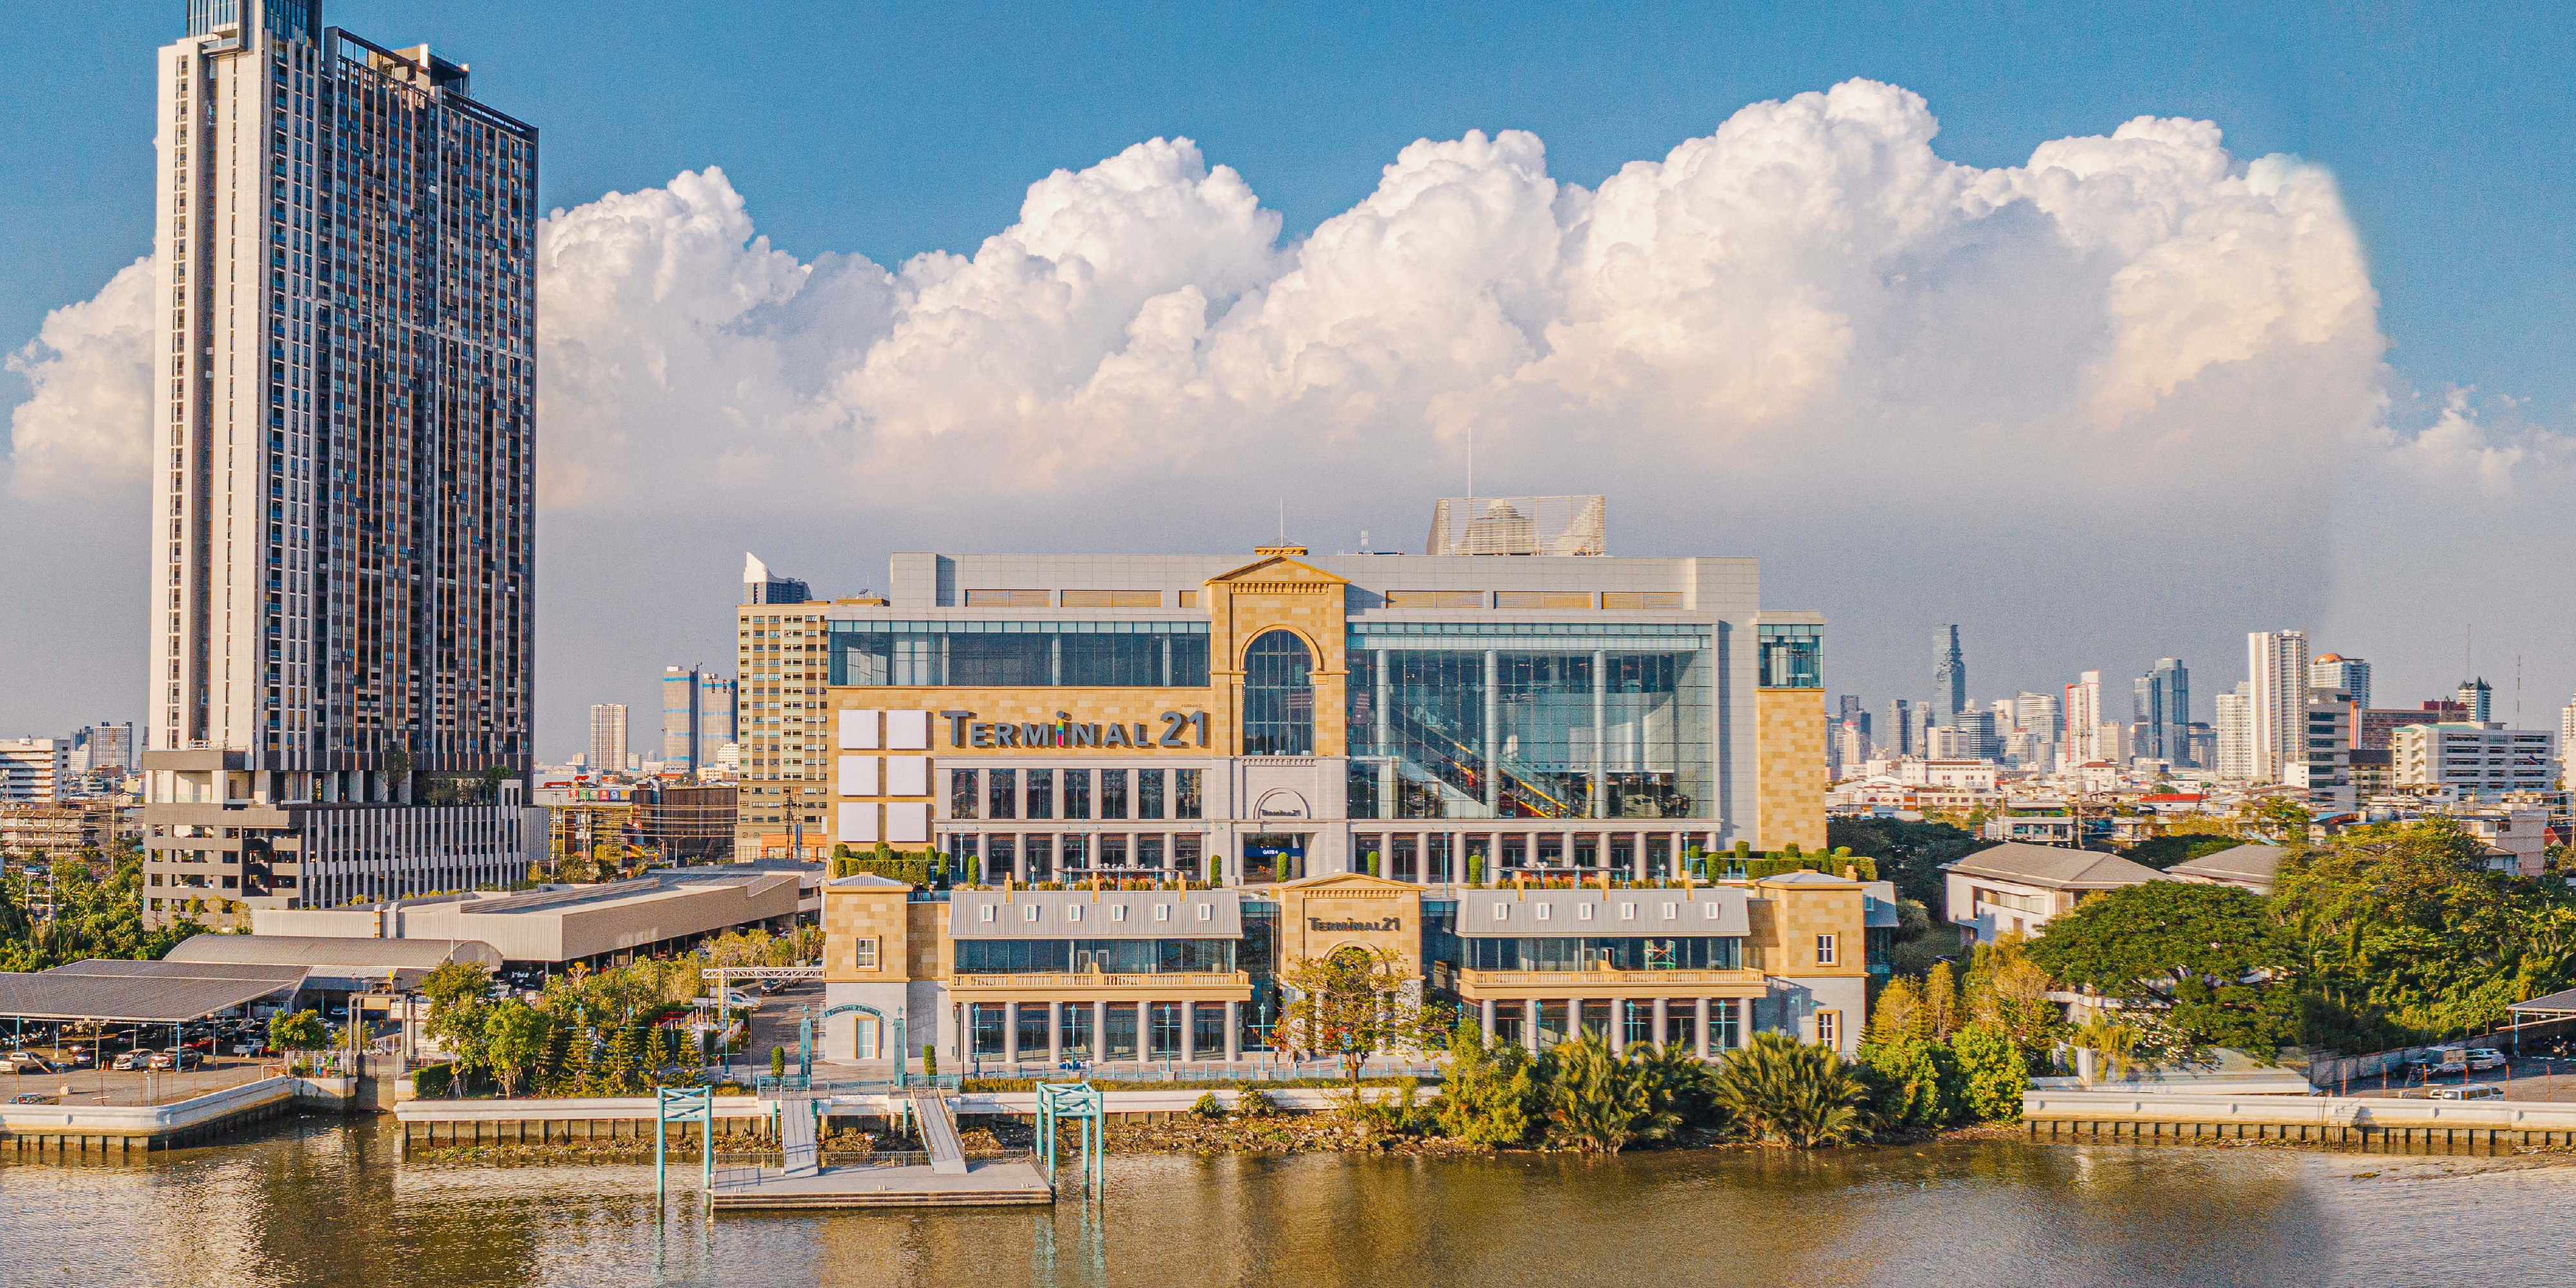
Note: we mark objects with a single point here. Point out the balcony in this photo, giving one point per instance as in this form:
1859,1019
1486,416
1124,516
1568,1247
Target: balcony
1156,982
1648,983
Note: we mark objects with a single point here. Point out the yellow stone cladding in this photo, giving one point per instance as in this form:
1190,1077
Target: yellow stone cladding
1319,916
1131,707
1790,783
855,913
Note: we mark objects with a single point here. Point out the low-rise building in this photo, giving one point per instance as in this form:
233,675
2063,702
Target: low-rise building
2474,759
2034,821
2247,867
1016,976
2015,888
608,924
34,769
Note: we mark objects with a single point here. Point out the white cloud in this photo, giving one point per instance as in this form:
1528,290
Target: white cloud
83,431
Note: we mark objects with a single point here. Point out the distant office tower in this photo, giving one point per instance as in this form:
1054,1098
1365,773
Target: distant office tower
1923,726
1847,706
1978,736
2037,713
697,717
761,586
2202,741
2479,699
1950,676
2349,674
608,735
2084,720
110,746
34,769
1899,734
2160,710
348,521
2233,722
2277,662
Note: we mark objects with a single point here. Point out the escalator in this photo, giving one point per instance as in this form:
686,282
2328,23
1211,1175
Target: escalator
1459,766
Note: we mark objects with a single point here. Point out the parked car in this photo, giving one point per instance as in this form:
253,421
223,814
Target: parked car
2481,1059
30,1062
2473,1091
33,1098
248,1047
127,1061
2451,1060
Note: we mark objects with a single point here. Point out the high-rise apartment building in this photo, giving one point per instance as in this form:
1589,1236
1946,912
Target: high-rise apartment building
1949,676
344,631
34,769
2161,709
2478,699
2037,713
2321,766
697,718
2084,720
2350,675
2277,667
106,746
608,736
2566,739
2233,718
782,657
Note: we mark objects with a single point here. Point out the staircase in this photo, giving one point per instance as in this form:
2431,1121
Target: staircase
938,1124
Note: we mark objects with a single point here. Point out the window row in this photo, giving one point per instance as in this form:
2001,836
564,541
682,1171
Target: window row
1075,794
1064,855
1104,956
1603,952
1112,1031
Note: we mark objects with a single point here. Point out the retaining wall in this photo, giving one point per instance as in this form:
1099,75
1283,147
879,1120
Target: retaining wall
2371,1122
129,1129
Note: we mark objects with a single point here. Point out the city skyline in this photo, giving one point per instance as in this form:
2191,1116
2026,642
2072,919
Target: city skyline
1211,253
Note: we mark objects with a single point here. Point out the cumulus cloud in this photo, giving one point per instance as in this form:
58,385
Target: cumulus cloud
82,431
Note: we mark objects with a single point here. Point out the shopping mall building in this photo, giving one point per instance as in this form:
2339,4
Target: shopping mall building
1513,706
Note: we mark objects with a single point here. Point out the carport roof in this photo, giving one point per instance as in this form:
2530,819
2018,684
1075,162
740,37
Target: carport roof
2556,1004
161,992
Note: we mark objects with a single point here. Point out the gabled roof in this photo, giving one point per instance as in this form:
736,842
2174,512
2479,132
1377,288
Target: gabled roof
1280,567
1807,876
867,880
1345,881
2236,863
2054,867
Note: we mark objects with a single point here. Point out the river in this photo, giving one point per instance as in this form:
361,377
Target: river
324,1203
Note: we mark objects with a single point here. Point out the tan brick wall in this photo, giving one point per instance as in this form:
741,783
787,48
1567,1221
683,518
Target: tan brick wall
1787,919
1344,899
1277,593
879,913
1790,781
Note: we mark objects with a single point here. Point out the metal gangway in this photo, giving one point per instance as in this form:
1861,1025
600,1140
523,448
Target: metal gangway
799,1135
937,1123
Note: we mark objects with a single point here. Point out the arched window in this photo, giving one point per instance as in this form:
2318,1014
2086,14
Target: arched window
1278,697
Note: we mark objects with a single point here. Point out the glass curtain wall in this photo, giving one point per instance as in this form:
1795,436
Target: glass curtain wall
1020,654
1532,720
1278,697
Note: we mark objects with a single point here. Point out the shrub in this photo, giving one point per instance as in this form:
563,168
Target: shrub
1255,1104
1206,1106
929,1060
1914,1084
1595,1101
1992,1071
1487,1094
778,1062
432,1081
1781,1091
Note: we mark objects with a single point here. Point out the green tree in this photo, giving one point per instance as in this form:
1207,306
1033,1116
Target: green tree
1992,1073
460,1001
1353,1003
1678,1086
1909,854
1941,1010
1781,1091
2209,956
1488,1092
516,1036
2007,989
1899,1014
1596,1102
1915,1083
297,1031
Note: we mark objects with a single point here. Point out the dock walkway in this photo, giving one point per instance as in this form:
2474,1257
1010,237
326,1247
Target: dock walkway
939,1133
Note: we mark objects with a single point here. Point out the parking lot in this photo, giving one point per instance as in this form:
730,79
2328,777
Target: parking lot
2533,1078
89,1086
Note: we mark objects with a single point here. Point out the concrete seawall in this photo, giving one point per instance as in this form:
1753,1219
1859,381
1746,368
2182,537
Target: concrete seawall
2368,1122
129,1129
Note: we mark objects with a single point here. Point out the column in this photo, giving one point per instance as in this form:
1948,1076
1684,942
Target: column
1618,1026
1660,1016
1010,1032
1055,1035
1493,737
1573,1018
1233,1032
1529,1025
1100,1032
1702,1036
1637,859
1189,1032
1600,707
1486,1008
1382,741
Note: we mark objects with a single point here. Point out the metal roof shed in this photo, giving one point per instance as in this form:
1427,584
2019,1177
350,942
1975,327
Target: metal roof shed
140,992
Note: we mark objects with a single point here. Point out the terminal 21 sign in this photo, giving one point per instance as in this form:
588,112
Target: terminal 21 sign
1179,729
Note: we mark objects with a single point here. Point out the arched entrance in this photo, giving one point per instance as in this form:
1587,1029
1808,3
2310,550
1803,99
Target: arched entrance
871,1039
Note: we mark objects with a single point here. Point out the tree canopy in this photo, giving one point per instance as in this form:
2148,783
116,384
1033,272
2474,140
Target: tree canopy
2210,957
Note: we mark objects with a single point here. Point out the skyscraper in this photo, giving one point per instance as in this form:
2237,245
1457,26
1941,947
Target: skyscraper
2277,667
2351,675
1949,676
2479,699
697,717
608,736
2161,709
2233,714
1899,733
761,586
2084,720
347,524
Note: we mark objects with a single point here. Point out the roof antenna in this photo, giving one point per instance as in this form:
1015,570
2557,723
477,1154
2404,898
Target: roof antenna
1283,520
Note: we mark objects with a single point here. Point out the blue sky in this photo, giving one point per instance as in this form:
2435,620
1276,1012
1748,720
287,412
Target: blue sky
887,130
890,129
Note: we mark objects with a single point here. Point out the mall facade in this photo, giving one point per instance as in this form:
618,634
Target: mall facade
1059,717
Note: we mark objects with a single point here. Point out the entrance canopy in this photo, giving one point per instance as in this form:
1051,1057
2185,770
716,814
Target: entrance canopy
161,992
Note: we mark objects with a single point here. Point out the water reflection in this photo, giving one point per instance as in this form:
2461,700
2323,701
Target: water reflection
321,1203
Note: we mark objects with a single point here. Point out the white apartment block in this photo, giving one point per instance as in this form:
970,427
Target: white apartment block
34,769
2232,720
2475,760
345,615
2277,706
2323,767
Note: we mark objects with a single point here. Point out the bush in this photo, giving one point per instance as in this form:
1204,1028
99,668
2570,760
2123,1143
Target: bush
1781,1091
432,1081
1992,1071
1255,1104
1596,1101
778,1062
1914,1084
1206,1106
1487,1095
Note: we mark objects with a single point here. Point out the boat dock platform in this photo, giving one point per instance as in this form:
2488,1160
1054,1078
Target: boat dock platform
946,1179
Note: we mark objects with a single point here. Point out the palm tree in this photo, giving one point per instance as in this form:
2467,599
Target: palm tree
1594,1099
1785,1092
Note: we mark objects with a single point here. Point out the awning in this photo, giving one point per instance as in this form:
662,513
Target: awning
140,992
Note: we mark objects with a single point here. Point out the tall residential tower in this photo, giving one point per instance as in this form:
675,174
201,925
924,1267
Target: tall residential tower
343,635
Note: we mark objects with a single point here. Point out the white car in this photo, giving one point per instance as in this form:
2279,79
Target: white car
2481,1059
2475,1091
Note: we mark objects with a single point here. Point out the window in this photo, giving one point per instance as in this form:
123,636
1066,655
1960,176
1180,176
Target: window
1635,599
1542,599
1278,697
1113,793
864,953
1149,793
1077,793
1792,656
1007,599
1041,793
961,793
1185,793
1113,599
1002,794
1435,599
1829,1028
1824,950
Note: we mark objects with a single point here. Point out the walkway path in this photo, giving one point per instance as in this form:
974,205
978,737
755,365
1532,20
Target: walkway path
939,1132
796,1136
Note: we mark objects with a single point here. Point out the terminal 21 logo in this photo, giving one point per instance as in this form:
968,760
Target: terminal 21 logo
964,730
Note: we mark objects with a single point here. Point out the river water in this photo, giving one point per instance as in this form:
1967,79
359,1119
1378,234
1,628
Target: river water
326,1203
